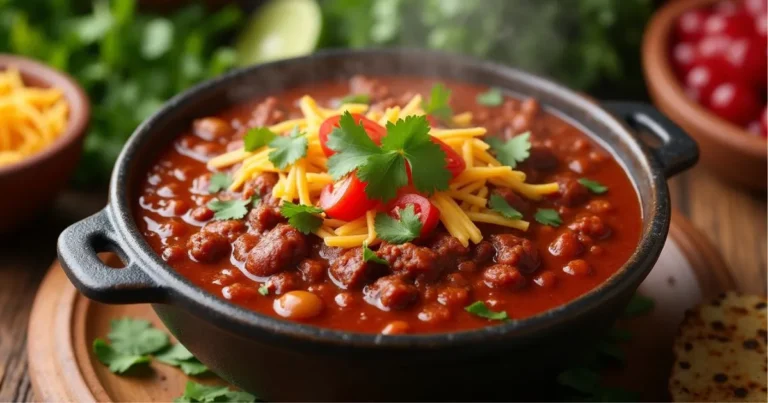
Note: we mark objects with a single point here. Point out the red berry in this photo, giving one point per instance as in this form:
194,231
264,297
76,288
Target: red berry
764,122
736,25
761,26
726,7
683,57
746,59
700,82
712,46
690,25
756,7
734,102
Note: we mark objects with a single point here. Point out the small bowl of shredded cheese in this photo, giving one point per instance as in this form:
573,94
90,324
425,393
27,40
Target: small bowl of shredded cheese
43,117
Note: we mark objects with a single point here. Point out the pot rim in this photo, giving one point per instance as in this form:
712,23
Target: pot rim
183,293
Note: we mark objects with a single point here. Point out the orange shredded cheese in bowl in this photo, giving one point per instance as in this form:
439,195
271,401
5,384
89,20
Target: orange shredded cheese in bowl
31,119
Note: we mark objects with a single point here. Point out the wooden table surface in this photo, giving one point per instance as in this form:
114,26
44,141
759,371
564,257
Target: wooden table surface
733,219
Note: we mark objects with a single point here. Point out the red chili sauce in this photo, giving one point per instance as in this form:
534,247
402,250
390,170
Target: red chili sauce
522,273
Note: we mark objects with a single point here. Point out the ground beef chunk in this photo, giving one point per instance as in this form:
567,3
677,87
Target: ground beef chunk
240,291
264,217
391,293
434,313
278,250
483,252
449,251
516,251
207,247
415,262
261,185
267,113
313,270
243,245
360,84
230,229
351,271
329,253
281,283
503,276
453,296
571,192
211,128
202,214
513,199
541,158
591,226
566,245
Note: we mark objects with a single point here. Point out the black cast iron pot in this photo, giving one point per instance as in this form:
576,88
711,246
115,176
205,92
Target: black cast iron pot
282,360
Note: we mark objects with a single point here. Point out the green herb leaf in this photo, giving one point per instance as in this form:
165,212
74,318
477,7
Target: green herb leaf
517,149
548,217
197,392
158,38
229,209
352,145
117,362
178,356
438,102
478,308
383,174
370,256
136,336
288,149
264,290
593,186
500,205
492,97
303,218
219,182
639,305
583,380
255,200
356,99
398,231
257,137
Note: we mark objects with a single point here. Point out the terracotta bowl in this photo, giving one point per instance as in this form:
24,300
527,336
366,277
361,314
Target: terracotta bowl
33,183
726,149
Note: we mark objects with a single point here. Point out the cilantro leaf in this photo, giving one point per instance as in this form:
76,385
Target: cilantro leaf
517,149
438,102
219,182
288,149
197,392
264,290
352,145
229,209
136,336
178,356
397,231
117,362
492,97
593,186
257,137
639,305
383,175
370,256
356,99
549,217
478,308
500,205
303,218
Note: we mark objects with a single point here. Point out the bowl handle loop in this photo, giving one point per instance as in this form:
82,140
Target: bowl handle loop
78,246
675,149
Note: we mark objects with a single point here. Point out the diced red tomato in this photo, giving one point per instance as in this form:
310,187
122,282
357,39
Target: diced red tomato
734,102
428,214
690,25
346,200
375,131
432,121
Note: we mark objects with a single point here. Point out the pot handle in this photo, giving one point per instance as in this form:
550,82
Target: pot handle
676,150
78,246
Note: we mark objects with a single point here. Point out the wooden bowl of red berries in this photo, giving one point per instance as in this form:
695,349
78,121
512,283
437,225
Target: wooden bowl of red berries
705,65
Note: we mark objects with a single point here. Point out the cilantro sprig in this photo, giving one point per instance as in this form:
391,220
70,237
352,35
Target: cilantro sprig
511,152
219,182
384,168
264,290
178,356
500,205
118,362
478,308
356,99
437,104
548,217
197,392
492,97
398,231
257,137
370,256
593,186
229,209
288,149
303,218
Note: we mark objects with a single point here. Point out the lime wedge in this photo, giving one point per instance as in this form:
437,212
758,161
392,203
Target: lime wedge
279,30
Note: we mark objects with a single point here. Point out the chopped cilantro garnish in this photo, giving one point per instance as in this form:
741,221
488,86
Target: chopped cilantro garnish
478,308
638,305
549,217
384,168
264,290
303,218
356,99
229,209
178,356
136,336
593,186
498,204
492,97
197,392
257,137
117,362
438,102
288,149
219,182
510,152
370,256
397,231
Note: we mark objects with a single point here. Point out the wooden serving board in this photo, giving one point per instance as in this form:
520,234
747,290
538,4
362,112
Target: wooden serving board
64,323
